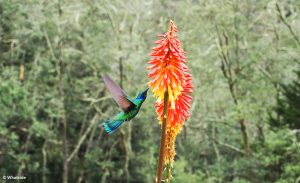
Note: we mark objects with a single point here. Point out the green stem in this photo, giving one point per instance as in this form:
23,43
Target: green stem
163,139
168,173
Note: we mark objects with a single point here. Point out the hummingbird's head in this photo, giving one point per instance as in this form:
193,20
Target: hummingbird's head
143,95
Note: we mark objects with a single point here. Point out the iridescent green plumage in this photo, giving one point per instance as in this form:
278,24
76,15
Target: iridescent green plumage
130,107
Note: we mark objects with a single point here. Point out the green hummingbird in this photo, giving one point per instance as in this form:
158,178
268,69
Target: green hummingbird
130,107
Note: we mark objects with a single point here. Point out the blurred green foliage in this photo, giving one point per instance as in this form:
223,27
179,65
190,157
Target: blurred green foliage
66,46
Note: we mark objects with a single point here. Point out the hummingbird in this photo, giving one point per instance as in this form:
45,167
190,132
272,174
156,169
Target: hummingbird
130,107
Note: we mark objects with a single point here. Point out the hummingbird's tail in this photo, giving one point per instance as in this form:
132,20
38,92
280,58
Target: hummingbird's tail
110,126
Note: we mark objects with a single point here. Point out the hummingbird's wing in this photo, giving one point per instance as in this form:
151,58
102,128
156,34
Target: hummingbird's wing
118,94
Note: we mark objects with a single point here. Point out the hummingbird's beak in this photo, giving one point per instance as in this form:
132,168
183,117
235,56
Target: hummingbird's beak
146,90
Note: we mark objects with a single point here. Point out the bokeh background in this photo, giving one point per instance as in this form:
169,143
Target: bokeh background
244,57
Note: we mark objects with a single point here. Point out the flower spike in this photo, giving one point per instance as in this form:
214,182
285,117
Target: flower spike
171,81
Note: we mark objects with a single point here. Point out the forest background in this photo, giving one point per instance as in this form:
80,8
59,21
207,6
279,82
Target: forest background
245,115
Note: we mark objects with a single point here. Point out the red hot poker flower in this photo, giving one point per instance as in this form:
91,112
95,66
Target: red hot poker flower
171,83
169,72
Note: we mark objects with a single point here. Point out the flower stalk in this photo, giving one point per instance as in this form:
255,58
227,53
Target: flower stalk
163,139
